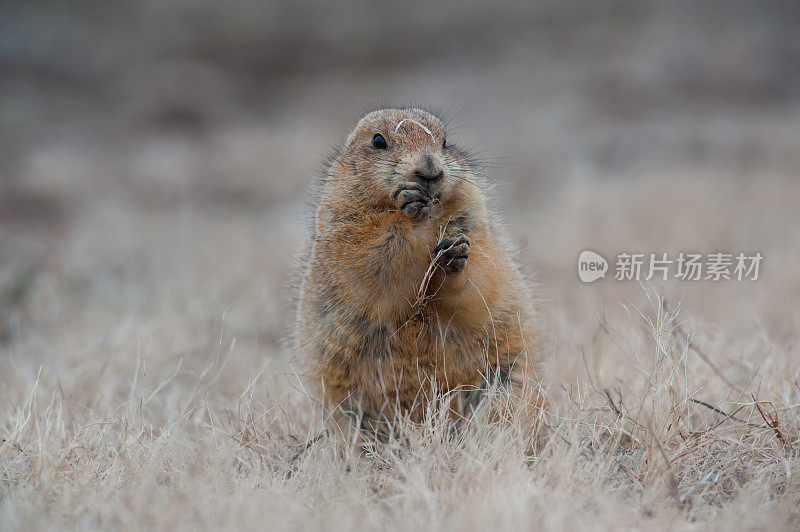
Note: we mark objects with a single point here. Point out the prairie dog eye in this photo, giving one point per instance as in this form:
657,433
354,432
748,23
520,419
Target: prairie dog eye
444,142
379,142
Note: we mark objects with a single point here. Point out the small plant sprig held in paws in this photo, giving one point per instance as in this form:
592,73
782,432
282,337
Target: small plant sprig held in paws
408,283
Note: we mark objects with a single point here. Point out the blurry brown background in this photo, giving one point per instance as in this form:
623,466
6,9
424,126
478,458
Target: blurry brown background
154,154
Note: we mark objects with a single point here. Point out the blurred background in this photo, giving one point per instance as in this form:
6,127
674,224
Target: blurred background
154,154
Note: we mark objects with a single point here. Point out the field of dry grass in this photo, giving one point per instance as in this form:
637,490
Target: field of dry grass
148,225
145,385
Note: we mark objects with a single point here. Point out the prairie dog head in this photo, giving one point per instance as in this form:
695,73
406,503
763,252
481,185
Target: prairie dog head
393,146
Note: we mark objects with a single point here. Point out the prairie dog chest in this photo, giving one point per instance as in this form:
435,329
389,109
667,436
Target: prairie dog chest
418,348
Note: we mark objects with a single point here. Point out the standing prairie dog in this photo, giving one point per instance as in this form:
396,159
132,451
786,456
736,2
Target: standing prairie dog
408,283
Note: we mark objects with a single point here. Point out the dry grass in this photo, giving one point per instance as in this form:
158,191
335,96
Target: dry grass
145,385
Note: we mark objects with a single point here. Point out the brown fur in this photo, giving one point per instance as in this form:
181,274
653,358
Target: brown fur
376,338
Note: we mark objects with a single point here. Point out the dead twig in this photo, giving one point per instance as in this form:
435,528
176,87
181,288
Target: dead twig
611,402
673,481
678,331
770,421
306,446
727,415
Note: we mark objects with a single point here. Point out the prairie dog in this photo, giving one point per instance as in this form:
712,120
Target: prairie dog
408,282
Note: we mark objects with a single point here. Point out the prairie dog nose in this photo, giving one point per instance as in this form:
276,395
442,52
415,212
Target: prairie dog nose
428,169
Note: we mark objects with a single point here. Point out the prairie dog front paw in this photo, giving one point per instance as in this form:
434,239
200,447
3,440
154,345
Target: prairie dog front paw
413,200
452,253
